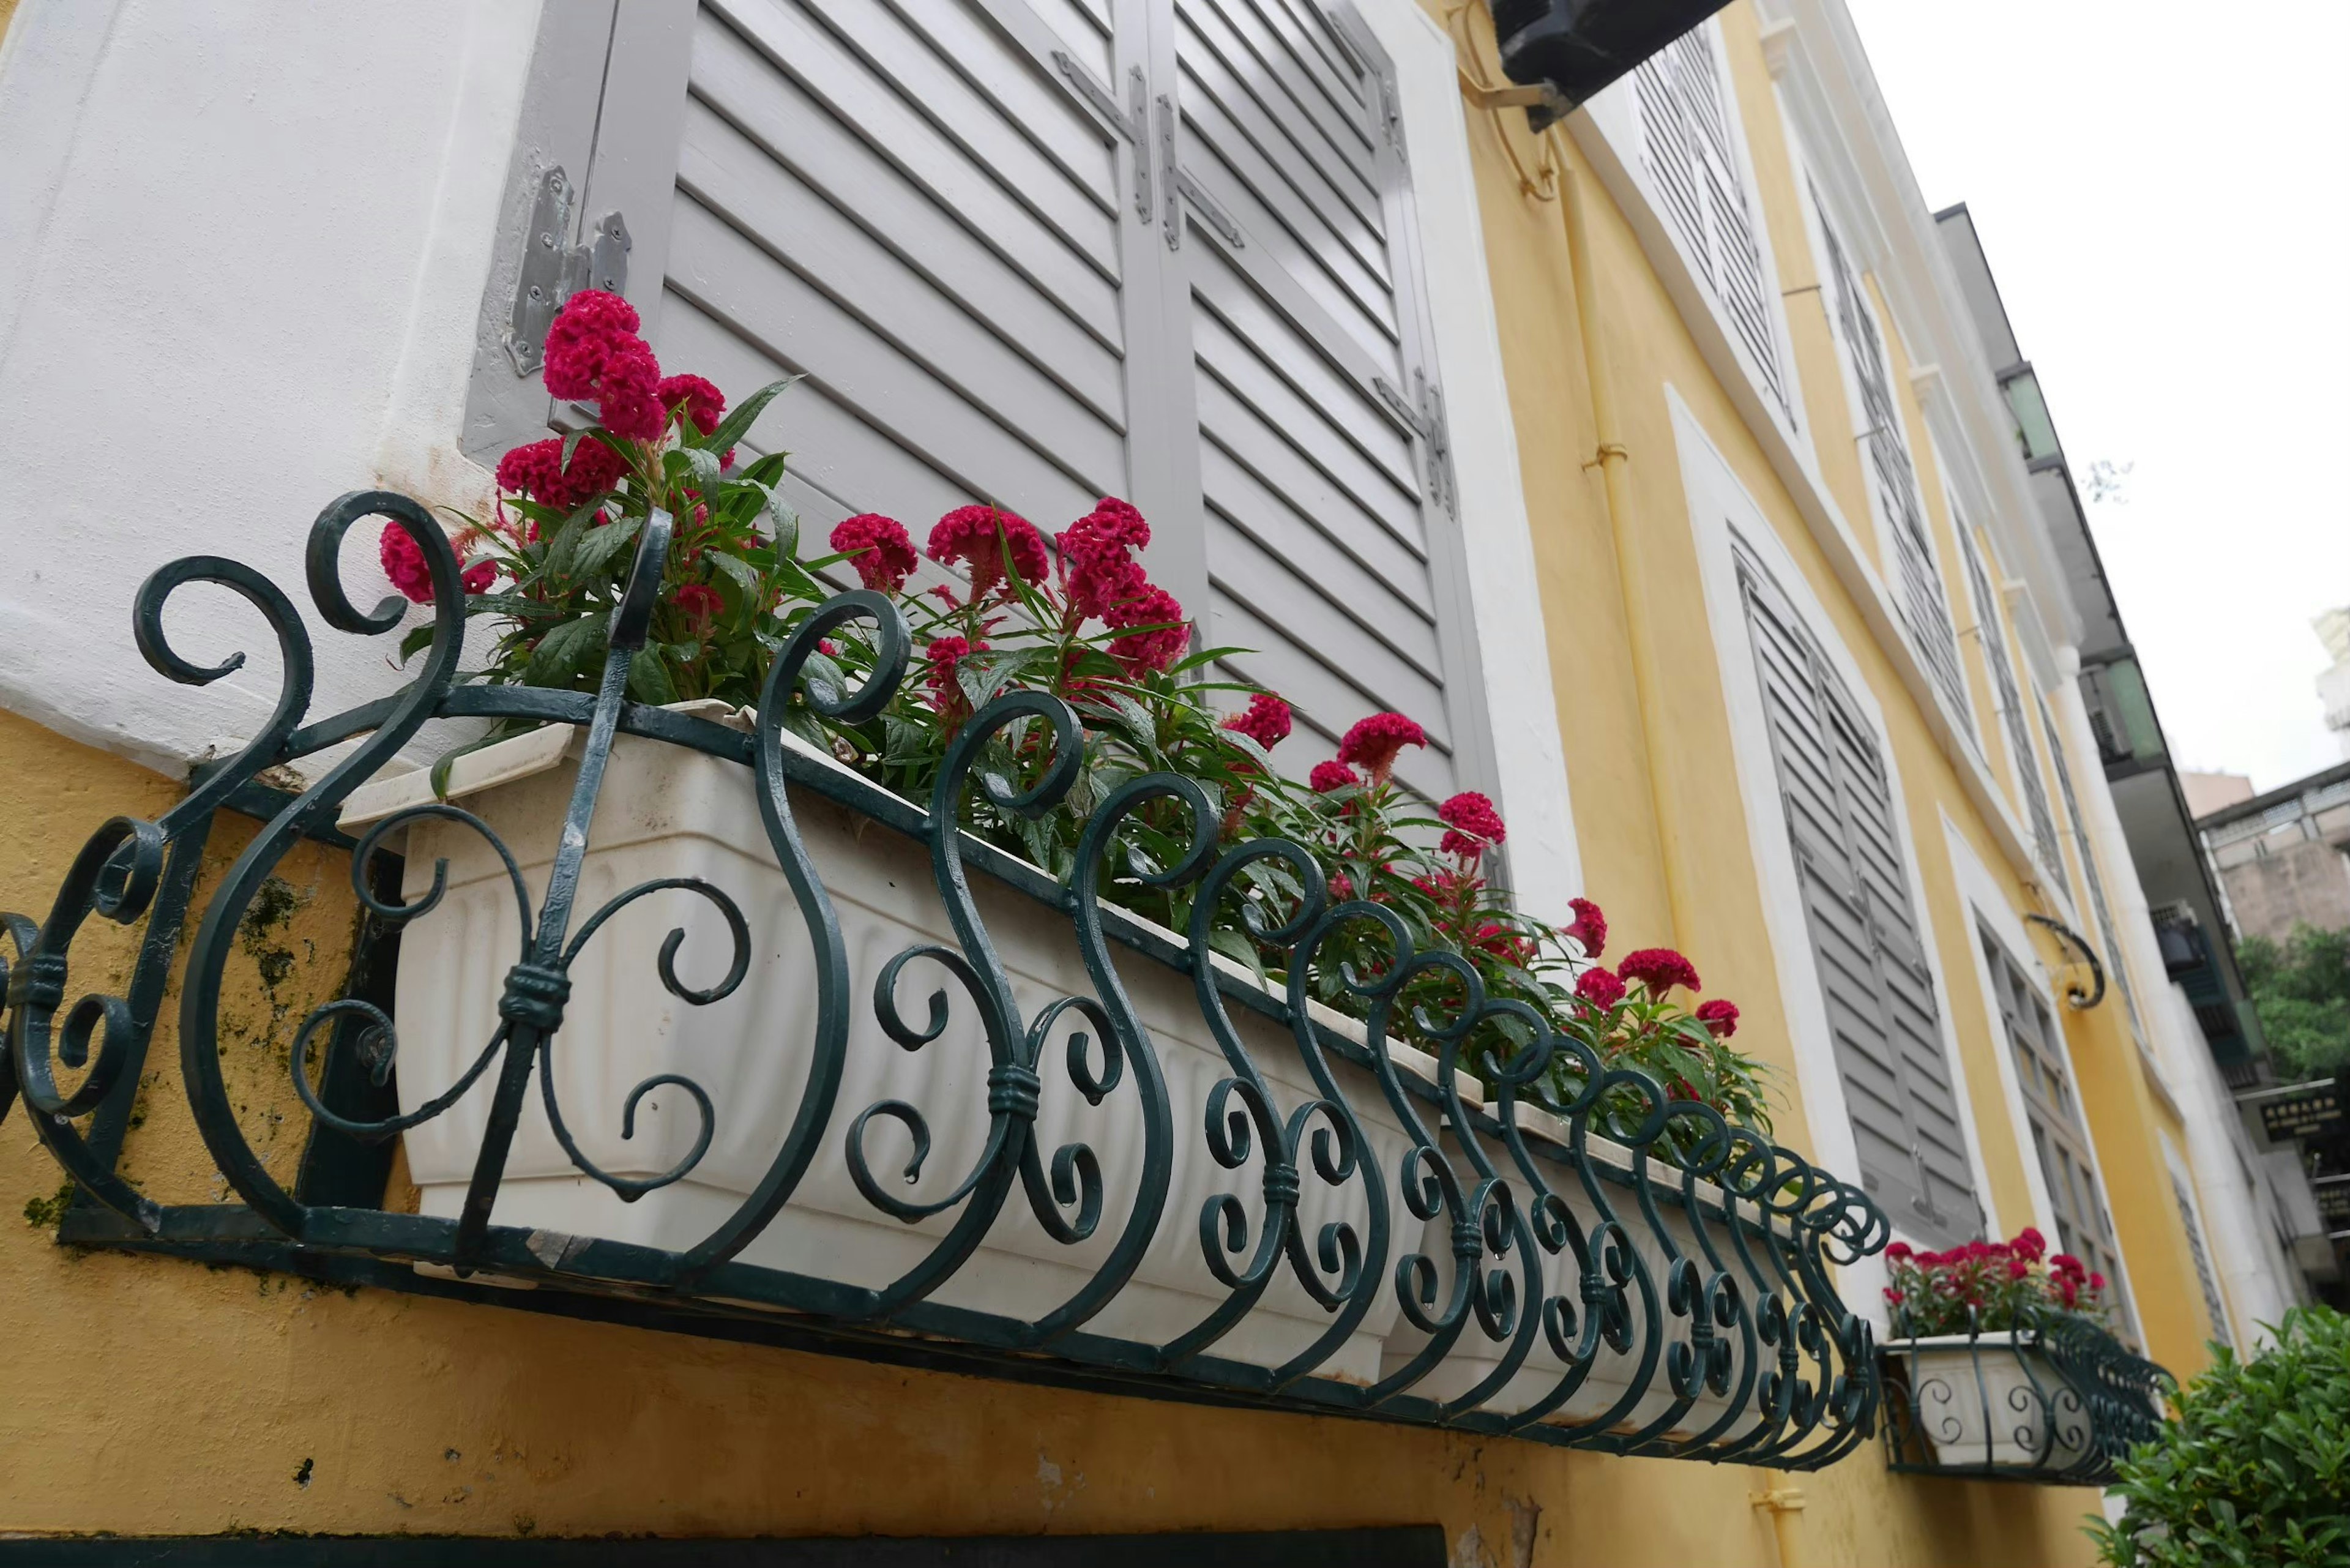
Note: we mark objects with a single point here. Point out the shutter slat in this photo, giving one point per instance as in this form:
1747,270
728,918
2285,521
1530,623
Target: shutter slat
1882,1019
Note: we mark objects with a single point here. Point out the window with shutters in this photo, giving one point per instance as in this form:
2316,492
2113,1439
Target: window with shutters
1036,252
1861,918
1689,152
2204,1277
1991,630
2085,1226
1892,478
2108,937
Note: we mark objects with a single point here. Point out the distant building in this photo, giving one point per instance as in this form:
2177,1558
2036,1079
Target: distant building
2285,856
2333,683
2207,793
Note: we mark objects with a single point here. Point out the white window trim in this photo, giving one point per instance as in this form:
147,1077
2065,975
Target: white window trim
1717,503
1610,132
1816,224
1992,620
1530,754
2182,1172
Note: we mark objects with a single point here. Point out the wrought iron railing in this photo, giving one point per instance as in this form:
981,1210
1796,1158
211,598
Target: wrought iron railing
1558,1249
2053,1398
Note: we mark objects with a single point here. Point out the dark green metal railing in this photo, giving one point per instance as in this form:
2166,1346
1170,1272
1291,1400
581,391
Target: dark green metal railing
1604,1224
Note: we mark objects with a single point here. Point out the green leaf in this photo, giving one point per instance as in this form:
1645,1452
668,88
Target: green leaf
1233,945
562,652
648,679
417,640
593,556
561,548
702,464
744,575
742,416
786,522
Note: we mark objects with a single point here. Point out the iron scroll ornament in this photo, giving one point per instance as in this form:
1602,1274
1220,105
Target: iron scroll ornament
1615,1269
2053,1398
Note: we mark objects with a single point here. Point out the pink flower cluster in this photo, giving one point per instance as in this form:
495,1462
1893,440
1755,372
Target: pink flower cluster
1986,1284
1331,776
537,471
593,352
1374,744
1471,824
1658,969
1590,927
1720,1017
403,562
980,538
1266,720
883,551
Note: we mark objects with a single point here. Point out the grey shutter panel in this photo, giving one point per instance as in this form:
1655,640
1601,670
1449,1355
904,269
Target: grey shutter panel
1687,147
1862,922
1329,544
1991,630
2106,932
1924,610
910,206
2085,1226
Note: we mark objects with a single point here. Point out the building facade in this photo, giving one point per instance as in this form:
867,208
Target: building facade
1655,461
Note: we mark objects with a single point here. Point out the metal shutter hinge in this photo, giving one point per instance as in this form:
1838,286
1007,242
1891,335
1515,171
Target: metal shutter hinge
1172,172
1391,117
1425,421
1218,219
1133,122
552,271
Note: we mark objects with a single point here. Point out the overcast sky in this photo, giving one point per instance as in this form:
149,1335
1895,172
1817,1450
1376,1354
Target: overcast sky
2163,188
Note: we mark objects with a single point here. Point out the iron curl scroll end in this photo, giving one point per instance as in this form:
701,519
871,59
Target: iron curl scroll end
1694,1259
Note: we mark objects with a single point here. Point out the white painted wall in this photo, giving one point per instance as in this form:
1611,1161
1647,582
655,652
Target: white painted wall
242,250
1546,867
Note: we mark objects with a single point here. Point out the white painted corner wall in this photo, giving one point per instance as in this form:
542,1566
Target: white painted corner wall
1546,867
242,255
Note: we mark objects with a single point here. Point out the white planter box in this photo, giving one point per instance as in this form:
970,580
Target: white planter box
1974,1403
1474,1357
666,811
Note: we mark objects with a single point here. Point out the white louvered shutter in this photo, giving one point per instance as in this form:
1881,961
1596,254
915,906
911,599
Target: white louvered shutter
1036,252
2084,1223
1990,627
1326,513
1925,611
1862,922
2106,934
2204,1276
1687,151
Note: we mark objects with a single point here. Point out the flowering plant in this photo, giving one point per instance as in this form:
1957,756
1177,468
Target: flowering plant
1010,609
552,559
1992,1286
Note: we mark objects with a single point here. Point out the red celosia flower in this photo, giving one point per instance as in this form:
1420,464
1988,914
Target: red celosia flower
1659,969
1160,634
1500,943
1327,776
2064,1263
884,551
1342,886
1266,720
589,328
1472,812
698,604
979,537
946,655
706,405
403,562
536,471
2017,1268
1599,988
1590,927
2097,1281
1097,563
1897,1253
2029,1243
1374,744
1720,1017
631,409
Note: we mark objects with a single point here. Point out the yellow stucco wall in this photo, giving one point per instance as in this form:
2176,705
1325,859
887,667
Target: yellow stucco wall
1647,349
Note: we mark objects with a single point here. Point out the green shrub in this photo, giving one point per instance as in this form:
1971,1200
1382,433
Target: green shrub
2256,1468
